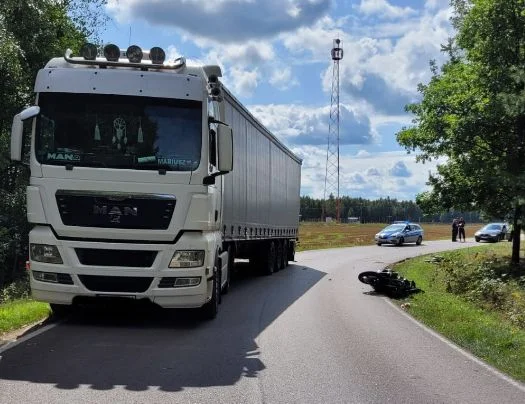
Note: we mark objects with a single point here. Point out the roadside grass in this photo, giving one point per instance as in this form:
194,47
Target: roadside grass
317,235
18,313
17,309
470,298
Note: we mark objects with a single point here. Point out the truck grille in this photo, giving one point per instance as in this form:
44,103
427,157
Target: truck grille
115,258
126,284
115,210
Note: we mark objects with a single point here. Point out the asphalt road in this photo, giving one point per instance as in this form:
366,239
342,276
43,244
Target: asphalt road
308,334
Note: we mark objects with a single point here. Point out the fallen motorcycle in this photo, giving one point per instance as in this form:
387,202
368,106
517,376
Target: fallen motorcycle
388,282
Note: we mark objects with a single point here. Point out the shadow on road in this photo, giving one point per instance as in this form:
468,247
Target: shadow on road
143,347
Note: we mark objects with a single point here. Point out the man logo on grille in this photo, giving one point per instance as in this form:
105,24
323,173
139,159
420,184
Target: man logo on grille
115,212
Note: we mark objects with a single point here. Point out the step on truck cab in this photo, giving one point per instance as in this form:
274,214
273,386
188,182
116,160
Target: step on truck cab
148,178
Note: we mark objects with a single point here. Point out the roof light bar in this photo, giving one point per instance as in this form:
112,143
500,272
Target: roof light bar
134,54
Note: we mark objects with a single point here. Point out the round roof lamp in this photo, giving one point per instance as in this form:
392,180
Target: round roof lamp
134,54
111,52
89,51
157,55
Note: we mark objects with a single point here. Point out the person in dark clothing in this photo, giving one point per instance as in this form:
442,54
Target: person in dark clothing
461,229
454,229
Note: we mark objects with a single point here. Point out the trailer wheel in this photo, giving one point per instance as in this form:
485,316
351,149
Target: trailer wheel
285,253
291,251
268,261
279,259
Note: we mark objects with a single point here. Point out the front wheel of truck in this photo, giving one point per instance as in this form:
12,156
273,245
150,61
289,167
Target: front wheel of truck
61,310
231,263
209,310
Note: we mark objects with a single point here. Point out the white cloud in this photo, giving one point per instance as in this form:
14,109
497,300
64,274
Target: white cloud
242,82
366,177
241,61
282,78
384,9
223,20
246,54
386,72
399,169
372,172
383,62
301,125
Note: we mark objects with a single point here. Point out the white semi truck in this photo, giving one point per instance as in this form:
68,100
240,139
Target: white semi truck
147,180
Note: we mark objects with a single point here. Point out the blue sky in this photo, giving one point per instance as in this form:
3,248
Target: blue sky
275,57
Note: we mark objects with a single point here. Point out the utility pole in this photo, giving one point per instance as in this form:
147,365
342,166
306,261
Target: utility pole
331,182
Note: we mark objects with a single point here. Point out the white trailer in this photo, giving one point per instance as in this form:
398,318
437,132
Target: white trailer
140,189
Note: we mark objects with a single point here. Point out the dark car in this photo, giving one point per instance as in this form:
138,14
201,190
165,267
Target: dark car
492,232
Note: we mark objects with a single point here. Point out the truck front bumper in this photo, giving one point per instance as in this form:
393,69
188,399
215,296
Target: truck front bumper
156,282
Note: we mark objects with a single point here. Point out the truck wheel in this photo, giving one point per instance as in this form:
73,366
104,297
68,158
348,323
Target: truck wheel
61,310
279,258
291,251
268,262
209,310
285,253
231,261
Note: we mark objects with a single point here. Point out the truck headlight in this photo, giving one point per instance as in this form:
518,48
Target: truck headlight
187,259
45,253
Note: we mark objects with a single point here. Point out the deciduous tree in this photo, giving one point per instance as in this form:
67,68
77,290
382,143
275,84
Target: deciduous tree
473,112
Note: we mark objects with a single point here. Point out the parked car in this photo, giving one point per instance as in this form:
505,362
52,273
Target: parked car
400,233
493,232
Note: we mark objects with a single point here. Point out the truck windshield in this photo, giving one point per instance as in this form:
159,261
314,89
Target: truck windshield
115,131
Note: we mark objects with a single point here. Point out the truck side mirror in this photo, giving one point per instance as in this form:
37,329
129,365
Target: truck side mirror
17,131
225,148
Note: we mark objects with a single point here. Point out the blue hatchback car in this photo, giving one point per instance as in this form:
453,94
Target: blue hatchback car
400,233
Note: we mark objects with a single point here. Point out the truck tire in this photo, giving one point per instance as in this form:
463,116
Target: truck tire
279,258
61,310
210,309
285,253
231,261
291,251
268,259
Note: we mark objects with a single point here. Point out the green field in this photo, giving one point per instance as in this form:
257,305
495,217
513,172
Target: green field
313,236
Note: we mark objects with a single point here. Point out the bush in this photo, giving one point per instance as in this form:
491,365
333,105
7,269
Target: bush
16,290
486,280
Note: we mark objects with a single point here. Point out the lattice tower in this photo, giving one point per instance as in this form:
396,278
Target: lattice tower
331,182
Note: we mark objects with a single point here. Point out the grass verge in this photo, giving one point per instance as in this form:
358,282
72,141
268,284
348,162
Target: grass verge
18,313
483,327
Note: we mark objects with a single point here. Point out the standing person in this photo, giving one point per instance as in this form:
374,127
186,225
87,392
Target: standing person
454,229
461,228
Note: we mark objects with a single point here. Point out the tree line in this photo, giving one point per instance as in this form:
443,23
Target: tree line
383,210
